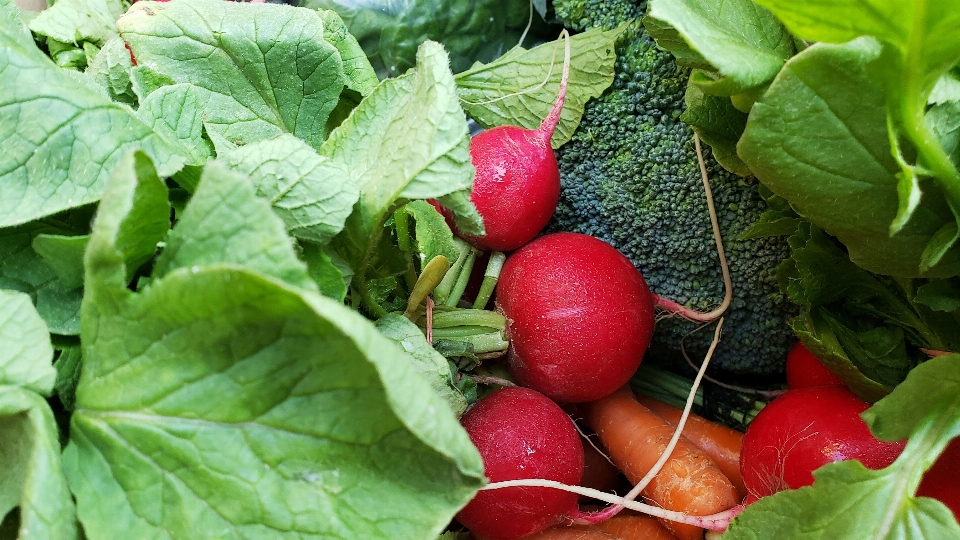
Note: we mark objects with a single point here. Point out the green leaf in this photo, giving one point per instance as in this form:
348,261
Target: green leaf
61,140
76,21
831,159
68,366
359,74
260,69
30,469
136,209
312,194
64,255
322,270
426,361
940,295
111,70
519,88
176,113
743,42
23,269
144,80
719,124
433,235
225,222
221,402
26,358
921,41
408,140
848,501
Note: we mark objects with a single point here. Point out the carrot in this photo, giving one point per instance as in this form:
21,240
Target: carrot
636,437
566,533
629,527
720,443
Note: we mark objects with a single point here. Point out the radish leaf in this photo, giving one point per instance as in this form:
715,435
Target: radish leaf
176,113
64,255
27,355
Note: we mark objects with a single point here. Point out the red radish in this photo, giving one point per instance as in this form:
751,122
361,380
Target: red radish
804,429
517,185
942,480
579,316
521,434
805,370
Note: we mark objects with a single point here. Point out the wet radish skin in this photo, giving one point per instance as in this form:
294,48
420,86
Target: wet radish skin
806,370
803,430
516,188
521,434
579,316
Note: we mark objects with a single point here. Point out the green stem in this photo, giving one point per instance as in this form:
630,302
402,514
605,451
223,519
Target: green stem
462,280
368,300
490,277
469,317
456,332
488,343
443,290
403,242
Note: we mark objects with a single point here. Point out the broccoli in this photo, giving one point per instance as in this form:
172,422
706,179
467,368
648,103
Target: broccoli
630,176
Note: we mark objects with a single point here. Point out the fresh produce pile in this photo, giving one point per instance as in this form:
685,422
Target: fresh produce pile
258,281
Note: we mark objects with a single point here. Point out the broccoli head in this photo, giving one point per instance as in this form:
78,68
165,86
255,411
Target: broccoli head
630,176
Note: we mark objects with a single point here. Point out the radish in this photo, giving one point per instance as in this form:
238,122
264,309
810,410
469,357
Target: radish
804,429
942,480
522,434
805,370
517,185
579,316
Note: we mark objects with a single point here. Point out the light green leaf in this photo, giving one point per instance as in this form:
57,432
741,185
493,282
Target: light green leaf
144,80
176,113
223,403
408,140
719,124
831,158
433,235
61,140
426,361
850,502
30,471
26,355
519,88
225,222
261,69
324,272
743,42
76,21
111,70
312,194
360,75
64,255
22,269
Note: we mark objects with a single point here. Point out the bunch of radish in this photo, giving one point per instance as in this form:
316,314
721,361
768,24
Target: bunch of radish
579,318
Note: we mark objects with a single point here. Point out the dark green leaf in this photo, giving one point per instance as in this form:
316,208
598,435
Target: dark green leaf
719,124
64,255
940,294
68,366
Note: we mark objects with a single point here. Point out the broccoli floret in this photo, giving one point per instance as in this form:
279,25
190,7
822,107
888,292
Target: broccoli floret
630,176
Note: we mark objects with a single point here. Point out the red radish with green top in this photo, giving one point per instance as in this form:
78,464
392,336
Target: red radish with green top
517,184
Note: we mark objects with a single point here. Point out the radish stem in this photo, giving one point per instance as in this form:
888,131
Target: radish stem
490,277
462,279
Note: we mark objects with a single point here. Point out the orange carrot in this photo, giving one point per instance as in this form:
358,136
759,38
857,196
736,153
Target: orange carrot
689,482
628,527
720,443
567,533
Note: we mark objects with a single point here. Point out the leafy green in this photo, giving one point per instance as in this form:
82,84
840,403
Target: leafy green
831,159
68,366
866,328
64,255
111,70
175,113
425,359
226,222
433,236
312,194
848,501
738,44
23,269
719,124
324,271
260,69
60,139
77,21
360,75
221,401
27,355
30,468
920,42
519,88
